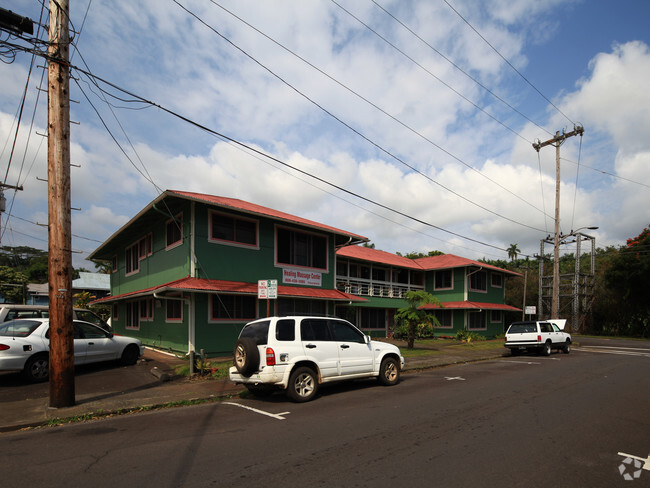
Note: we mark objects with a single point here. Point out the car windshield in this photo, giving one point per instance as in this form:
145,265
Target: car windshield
18,328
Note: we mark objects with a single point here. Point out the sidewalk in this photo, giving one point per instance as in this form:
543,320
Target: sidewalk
157,391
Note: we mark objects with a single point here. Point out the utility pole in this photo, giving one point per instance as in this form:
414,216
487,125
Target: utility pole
557,141
62,392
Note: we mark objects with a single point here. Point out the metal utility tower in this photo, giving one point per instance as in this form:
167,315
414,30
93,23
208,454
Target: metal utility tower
575,289
557,141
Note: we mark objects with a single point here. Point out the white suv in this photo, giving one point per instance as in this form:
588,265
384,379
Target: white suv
296,354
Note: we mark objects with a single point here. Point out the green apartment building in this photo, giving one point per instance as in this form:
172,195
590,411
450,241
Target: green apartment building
185,273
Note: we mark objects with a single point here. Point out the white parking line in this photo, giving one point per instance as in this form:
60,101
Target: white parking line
518,362
277,416
627,352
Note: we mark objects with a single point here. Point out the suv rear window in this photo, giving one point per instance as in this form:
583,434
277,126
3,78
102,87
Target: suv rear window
315,330
522,328
258,331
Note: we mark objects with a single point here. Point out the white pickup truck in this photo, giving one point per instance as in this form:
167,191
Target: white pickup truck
539,336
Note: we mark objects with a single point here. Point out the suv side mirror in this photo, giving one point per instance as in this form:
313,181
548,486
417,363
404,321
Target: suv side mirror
366,339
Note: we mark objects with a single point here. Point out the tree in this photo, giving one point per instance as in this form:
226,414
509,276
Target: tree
513,252
413,315
417,255
12,285
628,278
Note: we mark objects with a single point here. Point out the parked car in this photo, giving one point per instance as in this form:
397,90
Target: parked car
297,354
13,311
539,336
25,346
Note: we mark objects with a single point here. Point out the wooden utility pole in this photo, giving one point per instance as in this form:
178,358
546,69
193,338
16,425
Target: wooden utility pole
59,228
557,142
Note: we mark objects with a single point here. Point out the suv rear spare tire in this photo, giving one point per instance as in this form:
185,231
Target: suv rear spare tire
247,357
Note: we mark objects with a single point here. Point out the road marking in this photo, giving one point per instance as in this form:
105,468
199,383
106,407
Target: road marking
451,378
277,416
645,461
619,351
518,362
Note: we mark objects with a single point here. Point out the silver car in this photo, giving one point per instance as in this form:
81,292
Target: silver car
25,346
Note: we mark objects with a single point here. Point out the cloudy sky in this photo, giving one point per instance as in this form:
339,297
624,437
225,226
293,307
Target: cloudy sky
417,118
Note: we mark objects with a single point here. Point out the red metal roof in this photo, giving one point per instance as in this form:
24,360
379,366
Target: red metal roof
445,261
253,208
431,263
221,286
377,256
467,305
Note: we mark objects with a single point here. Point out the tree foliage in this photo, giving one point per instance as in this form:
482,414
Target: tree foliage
412,316
12,284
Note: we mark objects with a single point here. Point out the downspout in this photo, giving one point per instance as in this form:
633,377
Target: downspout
191,320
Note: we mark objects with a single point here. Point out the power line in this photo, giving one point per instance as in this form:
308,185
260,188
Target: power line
508,62
497,97
272,158
358,132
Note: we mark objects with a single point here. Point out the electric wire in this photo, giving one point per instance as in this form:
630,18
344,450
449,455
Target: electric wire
361,97
509,63
275,75
268,156
442,55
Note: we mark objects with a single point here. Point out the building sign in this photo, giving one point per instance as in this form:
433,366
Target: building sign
300,277
531,310
267,289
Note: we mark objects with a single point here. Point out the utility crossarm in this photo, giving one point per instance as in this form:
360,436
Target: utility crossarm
559,138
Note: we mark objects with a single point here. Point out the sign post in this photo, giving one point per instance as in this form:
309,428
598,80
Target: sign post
267,289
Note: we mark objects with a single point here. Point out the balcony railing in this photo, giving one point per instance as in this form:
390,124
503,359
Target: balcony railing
375,289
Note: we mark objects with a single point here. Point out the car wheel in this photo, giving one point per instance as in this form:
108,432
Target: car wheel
567,347
302,385
37,368
546,350
247,357
130,355
260,390
389,372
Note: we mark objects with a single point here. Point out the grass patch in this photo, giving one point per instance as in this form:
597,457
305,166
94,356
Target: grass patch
211,369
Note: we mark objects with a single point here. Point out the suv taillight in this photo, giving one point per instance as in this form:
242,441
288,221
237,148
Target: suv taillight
3,347
270,357
539,338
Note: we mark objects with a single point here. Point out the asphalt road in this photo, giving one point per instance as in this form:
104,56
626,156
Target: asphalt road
521,421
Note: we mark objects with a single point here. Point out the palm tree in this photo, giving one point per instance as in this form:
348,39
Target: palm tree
513,251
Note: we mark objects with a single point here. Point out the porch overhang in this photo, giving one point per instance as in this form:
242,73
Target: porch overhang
467,305
203,285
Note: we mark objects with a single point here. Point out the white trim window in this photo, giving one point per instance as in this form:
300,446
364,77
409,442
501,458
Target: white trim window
232,307
496,280
445,317
132,259
496,316
477,320
174,232
478,281
133,315
238,231
174,309
296,248
443,280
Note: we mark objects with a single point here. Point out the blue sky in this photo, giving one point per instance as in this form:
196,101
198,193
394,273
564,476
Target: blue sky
343,91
